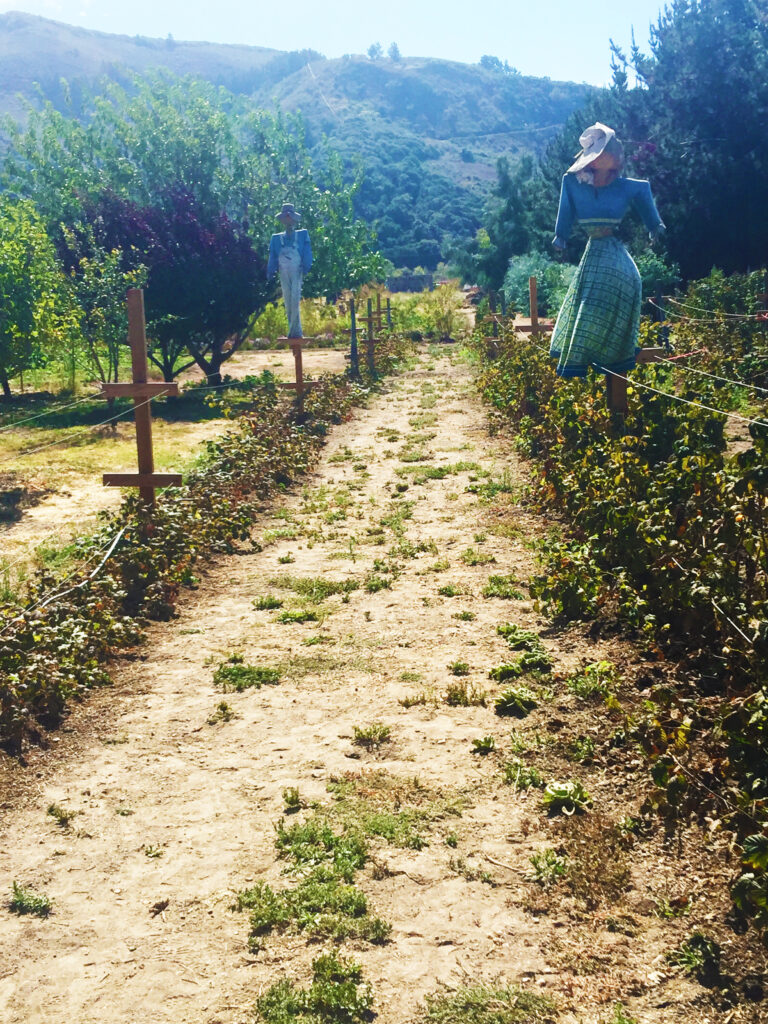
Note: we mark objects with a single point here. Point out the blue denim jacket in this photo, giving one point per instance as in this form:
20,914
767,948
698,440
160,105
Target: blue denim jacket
303,245
603,207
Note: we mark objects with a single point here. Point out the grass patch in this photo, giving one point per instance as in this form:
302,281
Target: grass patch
314,589
234,675
61,815
27,901
458,668
548,868
450,590
521,776
410,677
337,995
223,713
464,695
484,746
374,583
474,557
488,1004
596,680
503,587
464,616
297,615
322,905
267,603
371,737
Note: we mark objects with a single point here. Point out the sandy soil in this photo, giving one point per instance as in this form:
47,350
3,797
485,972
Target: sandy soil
143,929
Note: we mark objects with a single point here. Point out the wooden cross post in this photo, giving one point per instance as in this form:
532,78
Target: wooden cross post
492,307
370,341
533,299
298,360
141,391
353,356
378,310
389,313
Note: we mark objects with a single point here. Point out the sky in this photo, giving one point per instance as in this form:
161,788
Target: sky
562,40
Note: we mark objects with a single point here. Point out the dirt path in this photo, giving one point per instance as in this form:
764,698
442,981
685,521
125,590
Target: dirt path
175,815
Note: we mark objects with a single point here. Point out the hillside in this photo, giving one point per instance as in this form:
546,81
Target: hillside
428,131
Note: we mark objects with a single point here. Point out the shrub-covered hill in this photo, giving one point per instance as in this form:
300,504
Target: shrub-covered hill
427,131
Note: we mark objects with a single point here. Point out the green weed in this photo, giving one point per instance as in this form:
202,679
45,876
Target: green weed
699,956
464,616
314,589
450,590
464,695
267,604
483,746
337,995
374,583
458,668
522,776
27,901
548,868
62,815
503,587
371,736
474,557
487,1004
223,713
292,801
582,749
236,676
298,615
596,680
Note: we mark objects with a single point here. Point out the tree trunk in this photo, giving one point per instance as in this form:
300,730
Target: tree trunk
6,384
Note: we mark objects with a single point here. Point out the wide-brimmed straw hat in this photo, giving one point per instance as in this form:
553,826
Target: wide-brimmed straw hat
593,141
288,213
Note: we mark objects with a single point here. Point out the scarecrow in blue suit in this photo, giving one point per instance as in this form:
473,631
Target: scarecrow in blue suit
290,254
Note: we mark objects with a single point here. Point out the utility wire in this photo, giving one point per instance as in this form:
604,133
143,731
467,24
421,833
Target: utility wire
49,412
714,376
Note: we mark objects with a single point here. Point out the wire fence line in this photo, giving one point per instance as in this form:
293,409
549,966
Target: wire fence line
714,376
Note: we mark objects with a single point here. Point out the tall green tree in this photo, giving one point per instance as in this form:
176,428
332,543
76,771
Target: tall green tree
35,315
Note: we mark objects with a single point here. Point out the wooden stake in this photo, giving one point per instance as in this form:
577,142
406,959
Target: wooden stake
533,299
370,341
141,390
492,307
389,313
353,356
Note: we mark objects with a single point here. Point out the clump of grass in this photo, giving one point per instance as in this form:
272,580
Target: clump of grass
314,589
223,713
410,677
124,812
297,615
582,749
596,680
371,737
504,587
27,901
522,776
291,800
313,842
517,701
234,675
548,868
449,590
374,583
522,741
153,852
458,668
483,746
566,797
287,559
441,565
464,695
494,485
473,557
267,603
62,815
471,873
419,699
699,956
337,995
452,840
464,616
487,1004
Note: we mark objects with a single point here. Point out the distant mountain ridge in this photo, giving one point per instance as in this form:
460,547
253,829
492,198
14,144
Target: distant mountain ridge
429,131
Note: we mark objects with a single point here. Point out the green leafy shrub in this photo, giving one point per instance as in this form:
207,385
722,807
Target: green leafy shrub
566,797
236,676
337,995
518,701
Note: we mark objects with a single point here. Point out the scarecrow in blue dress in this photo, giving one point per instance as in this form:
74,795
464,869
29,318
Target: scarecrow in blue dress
290,255
599,320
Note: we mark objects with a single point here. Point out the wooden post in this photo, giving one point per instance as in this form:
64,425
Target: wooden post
297,348
503,298
492,307
378,310
389,313
353,356
533,299
141,390
370,341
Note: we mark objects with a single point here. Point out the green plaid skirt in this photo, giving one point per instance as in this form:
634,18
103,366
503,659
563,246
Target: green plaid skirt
600,317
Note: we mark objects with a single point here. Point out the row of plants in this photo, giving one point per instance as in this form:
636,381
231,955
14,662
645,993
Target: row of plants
57,643
666,534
